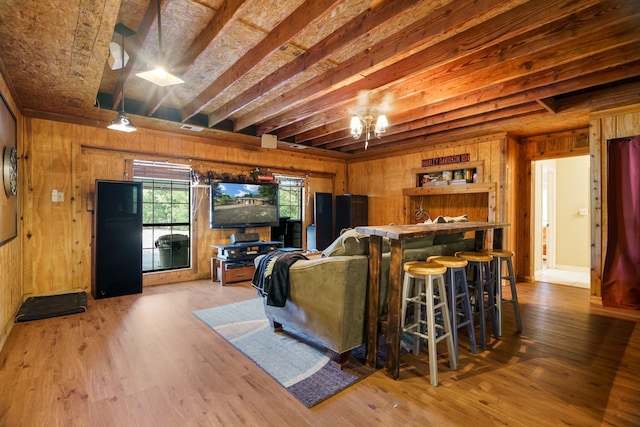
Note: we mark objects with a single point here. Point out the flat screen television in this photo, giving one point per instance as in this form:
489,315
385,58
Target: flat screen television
244,205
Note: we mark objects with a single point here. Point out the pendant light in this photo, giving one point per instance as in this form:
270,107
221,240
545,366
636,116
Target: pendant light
122,122
371,121
159,74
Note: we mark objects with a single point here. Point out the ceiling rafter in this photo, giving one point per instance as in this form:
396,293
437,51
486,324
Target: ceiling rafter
226,13
144,35
357,27
513,23
309,12
447,68
502,62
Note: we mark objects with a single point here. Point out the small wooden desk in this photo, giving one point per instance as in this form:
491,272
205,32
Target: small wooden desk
398,235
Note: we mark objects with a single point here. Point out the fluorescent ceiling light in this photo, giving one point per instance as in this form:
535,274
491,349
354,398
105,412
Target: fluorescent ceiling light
159,76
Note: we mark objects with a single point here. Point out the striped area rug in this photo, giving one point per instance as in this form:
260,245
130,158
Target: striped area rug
299,364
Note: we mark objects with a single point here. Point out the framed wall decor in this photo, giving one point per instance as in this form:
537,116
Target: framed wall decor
9,156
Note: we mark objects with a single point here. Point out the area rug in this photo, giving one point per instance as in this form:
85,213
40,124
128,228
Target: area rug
299,364
35,308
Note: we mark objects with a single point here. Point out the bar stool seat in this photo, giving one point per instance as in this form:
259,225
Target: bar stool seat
501,256
457,297
426,275
481,284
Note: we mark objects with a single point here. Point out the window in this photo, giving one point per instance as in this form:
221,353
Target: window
290,201
290,196
166,215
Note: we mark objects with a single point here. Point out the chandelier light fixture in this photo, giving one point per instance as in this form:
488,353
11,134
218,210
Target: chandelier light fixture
369,120
159,75
122,122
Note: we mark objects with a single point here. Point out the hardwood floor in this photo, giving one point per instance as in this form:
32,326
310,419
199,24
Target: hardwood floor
145,360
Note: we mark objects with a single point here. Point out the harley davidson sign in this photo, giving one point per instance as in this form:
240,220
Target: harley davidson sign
446,160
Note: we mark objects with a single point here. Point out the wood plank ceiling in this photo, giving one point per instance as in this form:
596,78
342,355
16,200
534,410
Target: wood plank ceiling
440,70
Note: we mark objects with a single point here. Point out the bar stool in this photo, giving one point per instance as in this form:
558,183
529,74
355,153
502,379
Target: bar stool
501,256
424,276
457,297
481,283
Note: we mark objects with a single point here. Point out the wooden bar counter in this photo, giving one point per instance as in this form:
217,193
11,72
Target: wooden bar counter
398,235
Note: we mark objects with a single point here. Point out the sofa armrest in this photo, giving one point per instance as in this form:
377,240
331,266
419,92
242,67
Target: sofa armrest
326,300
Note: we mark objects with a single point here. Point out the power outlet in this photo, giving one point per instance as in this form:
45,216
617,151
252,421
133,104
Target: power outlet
57,196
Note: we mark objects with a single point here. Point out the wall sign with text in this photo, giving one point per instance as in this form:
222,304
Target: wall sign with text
446,160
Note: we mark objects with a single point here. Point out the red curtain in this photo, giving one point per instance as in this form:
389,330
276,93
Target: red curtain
621,275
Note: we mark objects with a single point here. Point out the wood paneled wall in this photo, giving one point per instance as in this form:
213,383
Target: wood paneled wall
11,251
384,178
69,158
551,146
604,125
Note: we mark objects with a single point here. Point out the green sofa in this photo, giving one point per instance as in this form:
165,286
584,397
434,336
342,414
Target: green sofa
327,294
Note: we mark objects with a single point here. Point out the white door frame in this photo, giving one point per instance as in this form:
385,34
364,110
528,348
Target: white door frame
549,175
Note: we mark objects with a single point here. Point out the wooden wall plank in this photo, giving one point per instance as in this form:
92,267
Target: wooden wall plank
41,240
597,215
60,224
383,179
70,158
605,125
11,252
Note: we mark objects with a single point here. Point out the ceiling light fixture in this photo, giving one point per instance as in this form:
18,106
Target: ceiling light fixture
122,122
363,119
115,56
159,74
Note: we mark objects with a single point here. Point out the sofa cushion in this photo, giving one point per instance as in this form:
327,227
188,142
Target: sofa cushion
448,238
350,242
421,242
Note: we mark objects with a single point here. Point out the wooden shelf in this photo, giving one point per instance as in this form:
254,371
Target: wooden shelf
476,169
435,190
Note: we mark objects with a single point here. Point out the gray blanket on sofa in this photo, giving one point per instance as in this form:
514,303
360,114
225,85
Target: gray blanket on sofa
271,278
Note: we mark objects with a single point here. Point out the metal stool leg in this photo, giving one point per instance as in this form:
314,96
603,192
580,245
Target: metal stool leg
462,293
478,291
496,265
451,299
491,298
514,295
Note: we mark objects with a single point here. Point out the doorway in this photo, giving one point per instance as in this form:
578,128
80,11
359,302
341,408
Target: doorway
561,221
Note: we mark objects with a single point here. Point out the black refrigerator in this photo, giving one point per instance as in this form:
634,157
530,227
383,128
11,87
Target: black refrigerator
117,239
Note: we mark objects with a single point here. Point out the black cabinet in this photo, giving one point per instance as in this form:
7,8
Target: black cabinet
289,232
117,239
320,234
351,211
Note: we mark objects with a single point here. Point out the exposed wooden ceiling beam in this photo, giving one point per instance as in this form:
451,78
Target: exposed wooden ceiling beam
288,29
222,18
442,84
548,104
357,27
143,36
513,23
550,82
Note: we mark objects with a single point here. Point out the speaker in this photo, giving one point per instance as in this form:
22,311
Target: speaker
244,237
117,239
269,141
323,219
351,211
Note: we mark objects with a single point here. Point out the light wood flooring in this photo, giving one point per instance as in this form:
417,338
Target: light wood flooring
145,360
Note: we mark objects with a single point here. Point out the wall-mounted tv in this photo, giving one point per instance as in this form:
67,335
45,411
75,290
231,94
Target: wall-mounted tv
244,205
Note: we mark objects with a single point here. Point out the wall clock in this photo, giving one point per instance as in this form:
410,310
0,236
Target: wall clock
10,171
